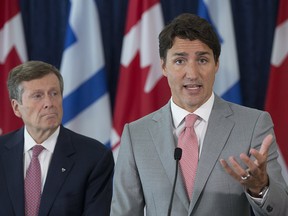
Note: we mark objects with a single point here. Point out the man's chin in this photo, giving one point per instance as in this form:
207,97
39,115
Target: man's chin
52,125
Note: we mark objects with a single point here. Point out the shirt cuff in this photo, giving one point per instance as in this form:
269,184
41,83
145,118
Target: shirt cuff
258,201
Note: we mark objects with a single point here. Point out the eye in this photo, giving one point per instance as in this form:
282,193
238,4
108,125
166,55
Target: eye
37,96
54,93
202,60
179,61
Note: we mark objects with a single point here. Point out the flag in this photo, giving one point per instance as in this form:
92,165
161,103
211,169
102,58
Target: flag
86,102
12,53
227,82
141,87
277,93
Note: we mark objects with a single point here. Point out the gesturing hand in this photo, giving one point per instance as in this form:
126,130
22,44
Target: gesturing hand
255,177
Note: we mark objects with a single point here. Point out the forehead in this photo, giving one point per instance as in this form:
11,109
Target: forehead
45,82
189,46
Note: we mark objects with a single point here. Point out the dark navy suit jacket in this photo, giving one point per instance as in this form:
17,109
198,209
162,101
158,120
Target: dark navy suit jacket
79,179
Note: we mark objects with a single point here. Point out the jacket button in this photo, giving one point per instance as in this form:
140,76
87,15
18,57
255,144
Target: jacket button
269,208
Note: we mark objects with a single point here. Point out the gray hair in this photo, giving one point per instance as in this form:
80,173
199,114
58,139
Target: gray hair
28,71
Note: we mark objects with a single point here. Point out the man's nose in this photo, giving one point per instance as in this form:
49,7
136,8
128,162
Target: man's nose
191,70
48,101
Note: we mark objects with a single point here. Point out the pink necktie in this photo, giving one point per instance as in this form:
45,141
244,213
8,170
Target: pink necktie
33,184
188,142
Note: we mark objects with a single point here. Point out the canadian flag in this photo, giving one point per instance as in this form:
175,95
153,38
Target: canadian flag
12,53
277,94
141,87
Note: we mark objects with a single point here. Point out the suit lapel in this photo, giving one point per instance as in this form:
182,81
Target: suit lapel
13,165
217,133
59,169
165,145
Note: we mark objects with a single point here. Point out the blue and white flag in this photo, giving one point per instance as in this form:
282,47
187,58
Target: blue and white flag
218,13
86,101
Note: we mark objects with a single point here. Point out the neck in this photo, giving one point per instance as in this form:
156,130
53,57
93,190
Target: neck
40,136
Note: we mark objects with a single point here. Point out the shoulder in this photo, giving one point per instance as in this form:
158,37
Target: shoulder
12,134
237,110
248,112
12,138
82,142
158,115
88,154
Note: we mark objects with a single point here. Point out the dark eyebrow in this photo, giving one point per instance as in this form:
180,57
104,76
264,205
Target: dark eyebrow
180,54
201,53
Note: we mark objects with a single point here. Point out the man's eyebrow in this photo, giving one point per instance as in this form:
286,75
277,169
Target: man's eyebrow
198,53
201,53
36,91
180,54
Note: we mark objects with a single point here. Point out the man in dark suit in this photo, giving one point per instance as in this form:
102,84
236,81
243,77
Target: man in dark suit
236,152
76,171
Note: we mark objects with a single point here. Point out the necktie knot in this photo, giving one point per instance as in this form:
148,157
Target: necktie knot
37,149
190,120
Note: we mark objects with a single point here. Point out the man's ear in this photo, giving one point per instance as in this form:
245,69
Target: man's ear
15,107
217,66
164,72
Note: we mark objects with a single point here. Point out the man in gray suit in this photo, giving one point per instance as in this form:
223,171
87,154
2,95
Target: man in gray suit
237,168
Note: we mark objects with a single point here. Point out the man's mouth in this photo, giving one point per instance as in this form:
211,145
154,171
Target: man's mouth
192,86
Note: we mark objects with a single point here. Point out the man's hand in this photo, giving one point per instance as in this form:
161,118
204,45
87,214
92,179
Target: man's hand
255,177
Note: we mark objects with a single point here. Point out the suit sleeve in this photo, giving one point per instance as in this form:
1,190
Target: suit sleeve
127,197
277,197
99,187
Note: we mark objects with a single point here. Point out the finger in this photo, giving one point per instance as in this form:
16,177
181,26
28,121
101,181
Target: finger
225,165
232,173
260,159
252,166
239,171
228,169
262,154
267,142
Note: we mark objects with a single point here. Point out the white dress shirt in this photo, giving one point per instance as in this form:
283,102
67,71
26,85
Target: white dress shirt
200,126
44,157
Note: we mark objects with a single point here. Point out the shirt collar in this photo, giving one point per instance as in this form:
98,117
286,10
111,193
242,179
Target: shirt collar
49,144
204,111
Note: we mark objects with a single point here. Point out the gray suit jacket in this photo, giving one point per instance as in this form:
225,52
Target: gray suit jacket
145,166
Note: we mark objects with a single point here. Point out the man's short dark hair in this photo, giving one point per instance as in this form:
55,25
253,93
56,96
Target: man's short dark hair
192,27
